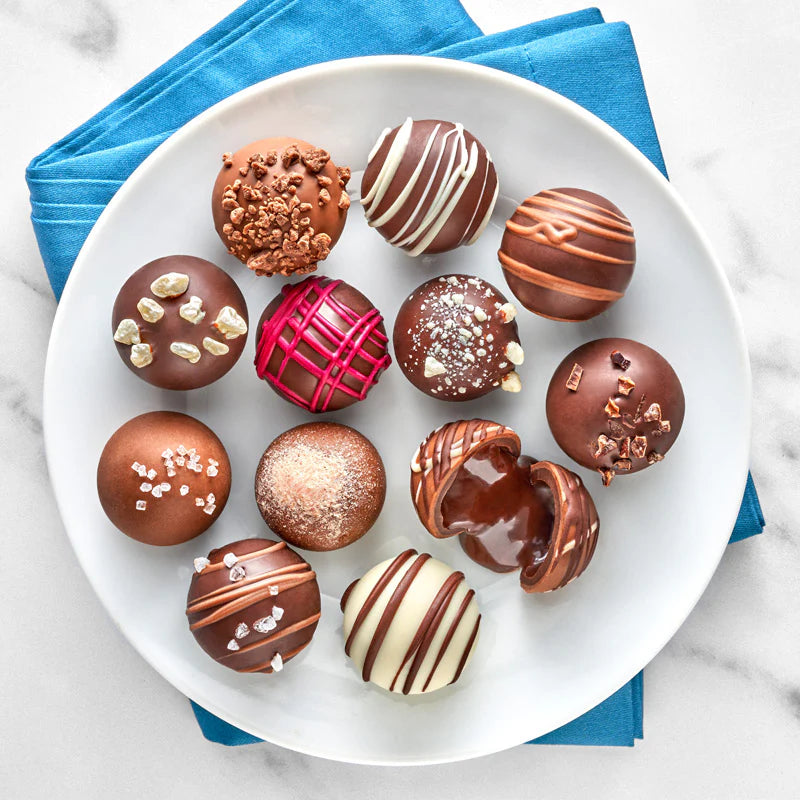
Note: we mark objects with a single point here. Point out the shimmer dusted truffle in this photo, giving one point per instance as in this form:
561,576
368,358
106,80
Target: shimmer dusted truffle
510,511
163,478
320,486
179,322
410,624
568,254
321,345
280,205
429,186
455,338
615,405
253,605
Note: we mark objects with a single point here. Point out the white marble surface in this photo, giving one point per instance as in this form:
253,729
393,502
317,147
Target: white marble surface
83,716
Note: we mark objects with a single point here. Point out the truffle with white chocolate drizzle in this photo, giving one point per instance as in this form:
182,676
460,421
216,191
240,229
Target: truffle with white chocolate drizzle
253,605
429,186
180,322
456,338
410,624
511,512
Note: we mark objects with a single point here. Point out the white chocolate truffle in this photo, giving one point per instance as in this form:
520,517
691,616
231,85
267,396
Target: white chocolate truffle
411,624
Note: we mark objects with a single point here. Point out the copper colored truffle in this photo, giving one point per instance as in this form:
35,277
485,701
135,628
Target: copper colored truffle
320,486
253,605
163,478
510,511
429,186
179,322
321,344
626,411
455,338
568,254
280,205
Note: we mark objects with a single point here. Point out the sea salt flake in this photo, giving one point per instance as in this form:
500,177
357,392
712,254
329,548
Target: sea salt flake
165,487
184,490
142,471
273,590
145,487
136,466
265,624
198,501
237,573
229,559
151,473
241,630
276,663
167,454
277,613
211,498
213,462
212,471
452,280
233,645
180,461
171,472
200,564
141,505
209,509
157,491
181,450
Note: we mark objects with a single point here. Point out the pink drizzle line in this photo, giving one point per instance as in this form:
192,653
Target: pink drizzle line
301,315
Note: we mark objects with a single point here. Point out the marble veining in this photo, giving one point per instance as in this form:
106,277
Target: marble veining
84,716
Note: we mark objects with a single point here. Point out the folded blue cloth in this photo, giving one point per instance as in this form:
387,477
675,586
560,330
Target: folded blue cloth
578,55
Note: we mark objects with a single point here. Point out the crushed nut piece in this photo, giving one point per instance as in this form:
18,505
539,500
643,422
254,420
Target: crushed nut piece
507,312
227,159
324,197
514,353
625,386
510,382
575,377
433,367
315,159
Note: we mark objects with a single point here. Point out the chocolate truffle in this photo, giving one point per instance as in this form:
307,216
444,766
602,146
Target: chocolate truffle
429,186
320,486
253,605
410,624
280,205
163,478
321,344
179,322
510,511
568,254
615,405
455,338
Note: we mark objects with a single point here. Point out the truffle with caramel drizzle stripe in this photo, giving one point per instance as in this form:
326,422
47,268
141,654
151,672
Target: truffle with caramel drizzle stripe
387,637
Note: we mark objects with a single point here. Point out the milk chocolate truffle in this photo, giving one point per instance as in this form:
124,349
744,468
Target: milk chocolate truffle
163,478
280,205
410,624
455,338
429,186
321,345
320,486
179,322
615,405
511,512
568,254
253,605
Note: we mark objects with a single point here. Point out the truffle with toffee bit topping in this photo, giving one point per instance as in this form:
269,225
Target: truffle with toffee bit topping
626,413
455,338
280,205
320,486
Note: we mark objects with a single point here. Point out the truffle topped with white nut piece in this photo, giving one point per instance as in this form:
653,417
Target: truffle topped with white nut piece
455,338
180,322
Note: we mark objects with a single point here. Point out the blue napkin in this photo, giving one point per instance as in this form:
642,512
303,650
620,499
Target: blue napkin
578,55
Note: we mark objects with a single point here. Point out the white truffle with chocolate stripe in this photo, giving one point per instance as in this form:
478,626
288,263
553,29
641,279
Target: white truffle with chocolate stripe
411,624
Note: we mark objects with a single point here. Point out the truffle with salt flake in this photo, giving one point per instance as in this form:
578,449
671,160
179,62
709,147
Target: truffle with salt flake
163,478
258,614
456,338
320,486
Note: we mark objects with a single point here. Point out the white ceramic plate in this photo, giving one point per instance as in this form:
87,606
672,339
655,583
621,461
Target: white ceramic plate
541,660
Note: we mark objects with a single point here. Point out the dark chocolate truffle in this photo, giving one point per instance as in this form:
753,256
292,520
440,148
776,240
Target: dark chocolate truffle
320,486
568,254
410,624
429,186
163,478
510,511
615,405
253,605
280,205
321,345
179,322
455,338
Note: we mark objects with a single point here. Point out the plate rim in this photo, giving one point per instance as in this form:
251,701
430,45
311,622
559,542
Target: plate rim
388,63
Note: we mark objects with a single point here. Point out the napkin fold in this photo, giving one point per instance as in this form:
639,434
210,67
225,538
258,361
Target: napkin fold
577,55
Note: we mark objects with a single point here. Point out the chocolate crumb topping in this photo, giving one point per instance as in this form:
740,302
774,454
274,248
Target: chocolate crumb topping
619,360
575,377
